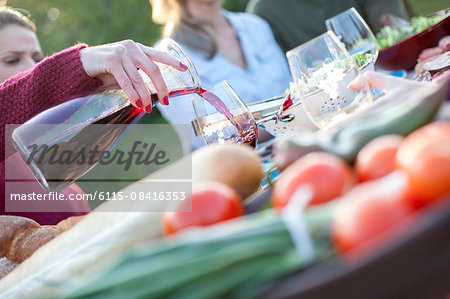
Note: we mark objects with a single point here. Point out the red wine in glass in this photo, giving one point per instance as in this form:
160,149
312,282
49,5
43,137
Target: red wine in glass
240,128
71,150
247,136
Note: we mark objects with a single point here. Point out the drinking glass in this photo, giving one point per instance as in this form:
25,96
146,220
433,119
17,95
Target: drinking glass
89,125
322,69
222,117
355,34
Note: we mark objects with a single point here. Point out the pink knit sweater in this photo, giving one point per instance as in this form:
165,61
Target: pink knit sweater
54,80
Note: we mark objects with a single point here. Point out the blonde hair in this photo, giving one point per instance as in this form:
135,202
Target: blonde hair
182,27
9,16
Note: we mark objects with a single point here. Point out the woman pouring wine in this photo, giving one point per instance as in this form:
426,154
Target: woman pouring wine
30,84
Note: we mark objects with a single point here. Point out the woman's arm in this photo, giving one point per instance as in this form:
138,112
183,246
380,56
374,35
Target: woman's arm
54,80
70,73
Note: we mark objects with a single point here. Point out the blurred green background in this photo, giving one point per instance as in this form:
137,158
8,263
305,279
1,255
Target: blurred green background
62,23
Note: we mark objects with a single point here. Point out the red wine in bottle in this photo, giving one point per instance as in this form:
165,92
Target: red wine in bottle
68,156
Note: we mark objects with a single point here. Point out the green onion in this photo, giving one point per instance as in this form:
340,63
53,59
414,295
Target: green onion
236,259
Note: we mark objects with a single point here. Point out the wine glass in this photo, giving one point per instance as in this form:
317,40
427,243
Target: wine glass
355,34
222,117
322,70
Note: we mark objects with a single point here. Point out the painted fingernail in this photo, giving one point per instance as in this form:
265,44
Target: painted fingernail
139,104
183,66
166,100
148,109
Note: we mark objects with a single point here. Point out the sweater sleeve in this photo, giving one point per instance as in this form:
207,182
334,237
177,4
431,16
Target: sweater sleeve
54,80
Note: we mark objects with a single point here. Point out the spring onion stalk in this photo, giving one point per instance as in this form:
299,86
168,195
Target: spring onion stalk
236,259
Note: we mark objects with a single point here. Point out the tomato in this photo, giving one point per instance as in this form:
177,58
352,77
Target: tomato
369,210
328,175
425,157
212,202
377,158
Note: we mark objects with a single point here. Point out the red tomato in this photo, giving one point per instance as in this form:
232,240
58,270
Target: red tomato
368,210
425,157
212,202
377,158
328,175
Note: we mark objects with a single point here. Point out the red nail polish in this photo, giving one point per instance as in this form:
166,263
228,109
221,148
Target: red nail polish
148,109
183,66
139,104
166,100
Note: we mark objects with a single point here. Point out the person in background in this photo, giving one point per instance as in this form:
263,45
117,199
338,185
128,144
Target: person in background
294,22
237,47
30,84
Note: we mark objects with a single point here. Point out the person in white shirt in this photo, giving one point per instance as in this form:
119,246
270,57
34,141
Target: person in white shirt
237,47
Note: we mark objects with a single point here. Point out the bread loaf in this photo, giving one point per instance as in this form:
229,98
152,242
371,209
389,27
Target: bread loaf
6,266
20,237
67,223
9,227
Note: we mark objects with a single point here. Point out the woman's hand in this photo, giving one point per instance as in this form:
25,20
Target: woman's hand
116,65
385,82
394,87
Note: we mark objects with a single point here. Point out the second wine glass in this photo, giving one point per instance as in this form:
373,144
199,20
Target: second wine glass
322,70
355,34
